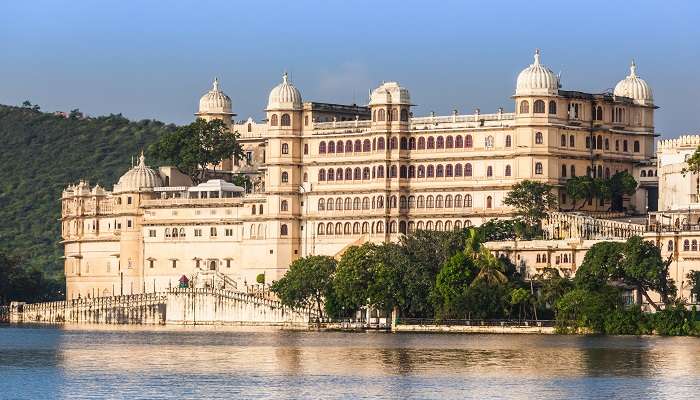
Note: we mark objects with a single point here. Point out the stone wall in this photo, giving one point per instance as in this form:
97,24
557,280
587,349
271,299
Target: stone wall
178,306
207,306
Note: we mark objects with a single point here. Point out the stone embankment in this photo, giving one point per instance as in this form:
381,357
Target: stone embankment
175,307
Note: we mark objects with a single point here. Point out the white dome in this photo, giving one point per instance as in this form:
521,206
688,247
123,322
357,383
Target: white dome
138,178
215,101
284,96
537,79
390,93
634,87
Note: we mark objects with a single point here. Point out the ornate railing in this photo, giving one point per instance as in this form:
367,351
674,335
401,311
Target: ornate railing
477,322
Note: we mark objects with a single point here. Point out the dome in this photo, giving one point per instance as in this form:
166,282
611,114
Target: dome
537,79
390,92
634,87
215,101
137,178
284,96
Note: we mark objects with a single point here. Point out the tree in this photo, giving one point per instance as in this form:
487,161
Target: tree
21,283
490,268
694,283
497,229
552,286
354,274
693,163
306,283
532,200
619,185
193,148
451,291
519,297
580,188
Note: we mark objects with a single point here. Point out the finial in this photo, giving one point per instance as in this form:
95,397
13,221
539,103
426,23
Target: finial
633,69
537,56
284,77
216,84
142,160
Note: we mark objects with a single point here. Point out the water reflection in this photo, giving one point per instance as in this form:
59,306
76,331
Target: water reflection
176,362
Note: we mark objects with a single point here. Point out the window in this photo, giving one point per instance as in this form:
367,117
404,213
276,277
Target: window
306,148
286,120
489,202
306,120
284,205
669,245
440,171
440,143
467,200
636,146
228,232
458,170
467,169
430,171
273,120
508,141
539,139
524,107
563,140
285,177
283,230
538,168
488,142
322,148
403,144
599,113
421,143
151,233
552,107
404,115
197,232
381,115
624,145
285,148
380,143
151,261
607,144
174,263
366,145
563,171
348,146
306,176
588,142
694,245
393,143
321,229
212,231
128,200
468,141
431,142
489,171
572,141
538,107
449,142
508,171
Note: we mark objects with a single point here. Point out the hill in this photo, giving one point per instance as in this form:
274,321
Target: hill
41,154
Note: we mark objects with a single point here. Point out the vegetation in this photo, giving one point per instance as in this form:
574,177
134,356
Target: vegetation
531,200
307,282
43,153
693,163
613,189
193,148
21,283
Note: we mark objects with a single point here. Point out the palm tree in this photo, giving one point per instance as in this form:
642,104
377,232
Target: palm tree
491,270
472,243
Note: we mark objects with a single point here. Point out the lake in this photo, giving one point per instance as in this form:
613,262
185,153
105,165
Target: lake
222,363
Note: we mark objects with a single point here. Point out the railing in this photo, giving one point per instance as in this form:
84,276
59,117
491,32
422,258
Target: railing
672,228
343,124
187,201
477,322
463,118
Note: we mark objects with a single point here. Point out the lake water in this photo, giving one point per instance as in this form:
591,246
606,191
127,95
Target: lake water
186,362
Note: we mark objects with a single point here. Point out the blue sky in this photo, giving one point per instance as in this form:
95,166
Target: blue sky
154,59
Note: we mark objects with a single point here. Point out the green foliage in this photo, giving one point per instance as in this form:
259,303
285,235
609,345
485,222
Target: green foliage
675,321
451,291
260,278
497,230
614,188
694,283
585,310
693,163
486,301
353,276
19,283
551,287
531,200
43,153
626,321
194,147
306,283
619,185
599,265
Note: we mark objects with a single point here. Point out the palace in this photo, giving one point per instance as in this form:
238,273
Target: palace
328,176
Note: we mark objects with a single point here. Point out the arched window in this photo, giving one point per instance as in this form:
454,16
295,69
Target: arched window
458,200
285,148
489,171
599,143
694,245
636,146
624,145
286,120
643,174
508,171
404,115
283,230
358,146
250,127
563,140
669,245
339,204
421,143
394,116
339,174
348,174
365,203
563,170
421,202
381,115
321,148
348,203
509,141
380,227
285,177
321,204
365,173
552,107
607,144
260,209
440,143
467,169
467,200
538,107
489,202
284,206
403,202
488,142
448,170
599,113
431,142
339,146
524,107
321,175
365,227
438,201
306,177
538,168
392,171
348,146
459,142
572,141
167,232
253,209
356,203
366,145
421,171
448,201
411,201
338,228
449,142
380,143
357,174
573,171
329,204
380,171
321,229
539,139
468,141
403,172
440,171
430,172
273,120
330,175
392,227
392,202
393,143
412,171
331,147
412,143
404,144
430,202
458,170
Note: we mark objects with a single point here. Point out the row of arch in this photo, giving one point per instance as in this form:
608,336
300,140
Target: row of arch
390,115
357,228
402,202
284,120
565,258
421,143
600,143
538,107
411,171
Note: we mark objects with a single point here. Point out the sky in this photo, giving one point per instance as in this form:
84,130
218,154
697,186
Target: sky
154,59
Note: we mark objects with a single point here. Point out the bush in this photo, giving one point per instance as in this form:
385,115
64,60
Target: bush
675,321
260,279
626,321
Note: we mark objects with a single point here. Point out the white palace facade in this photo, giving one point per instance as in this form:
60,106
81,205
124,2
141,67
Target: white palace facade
328,176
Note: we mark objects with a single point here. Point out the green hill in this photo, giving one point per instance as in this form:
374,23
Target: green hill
42,153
